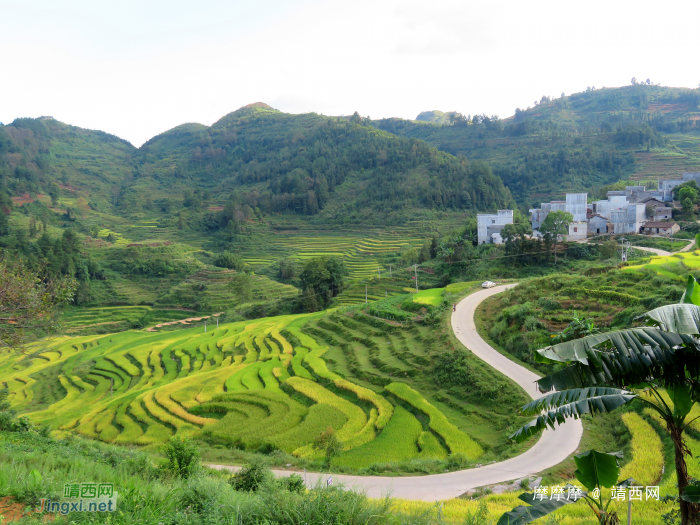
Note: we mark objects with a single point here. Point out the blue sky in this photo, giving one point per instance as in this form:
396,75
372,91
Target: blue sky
136,69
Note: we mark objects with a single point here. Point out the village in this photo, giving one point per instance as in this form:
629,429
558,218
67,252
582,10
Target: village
633,210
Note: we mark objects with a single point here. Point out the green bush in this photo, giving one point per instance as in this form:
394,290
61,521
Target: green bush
453,369
230,261
547,304
182,457
251,477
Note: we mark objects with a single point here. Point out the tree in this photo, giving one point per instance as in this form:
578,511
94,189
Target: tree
329,443
54,193
29,304
634,81
242,287
424,252
556,224
325,276
434,247
514,237
606,371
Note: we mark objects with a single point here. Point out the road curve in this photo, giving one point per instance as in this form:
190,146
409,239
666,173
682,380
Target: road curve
657,251
551,449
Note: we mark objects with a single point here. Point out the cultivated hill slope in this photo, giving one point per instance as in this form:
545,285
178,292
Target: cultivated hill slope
575,143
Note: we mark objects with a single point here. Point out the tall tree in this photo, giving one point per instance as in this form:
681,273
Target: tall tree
29,305
556,224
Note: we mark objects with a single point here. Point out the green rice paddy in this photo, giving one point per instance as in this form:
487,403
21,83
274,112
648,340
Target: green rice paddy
275,382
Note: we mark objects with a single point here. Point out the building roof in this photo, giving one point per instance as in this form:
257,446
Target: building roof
652,224
650,199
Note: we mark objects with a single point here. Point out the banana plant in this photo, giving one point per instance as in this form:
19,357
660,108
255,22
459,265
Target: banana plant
605,371
595,471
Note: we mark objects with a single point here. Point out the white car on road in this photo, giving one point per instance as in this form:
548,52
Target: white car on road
488,284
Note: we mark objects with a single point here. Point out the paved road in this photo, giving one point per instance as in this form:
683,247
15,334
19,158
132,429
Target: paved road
551,449
652,250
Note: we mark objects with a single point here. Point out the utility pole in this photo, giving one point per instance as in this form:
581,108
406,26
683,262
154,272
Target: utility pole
205,327
217,322
365,294
380,273
389,270
415,269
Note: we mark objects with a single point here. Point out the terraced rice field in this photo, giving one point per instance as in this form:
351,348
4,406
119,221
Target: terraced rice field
676,266
214,286
76,319
363,255
253,383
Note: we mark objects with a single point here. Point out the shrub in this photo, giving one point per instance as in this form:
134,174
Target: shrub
182,457
230,261
293,483
452,368
548,304
251,477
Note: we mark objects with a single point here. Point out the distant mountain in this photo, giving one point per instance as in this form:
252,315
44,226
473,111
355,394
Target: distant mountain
34,153
257,156
309,163
575,143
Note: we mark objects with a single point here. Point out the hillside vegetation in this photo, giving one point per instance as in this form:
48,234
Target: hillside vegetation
579,142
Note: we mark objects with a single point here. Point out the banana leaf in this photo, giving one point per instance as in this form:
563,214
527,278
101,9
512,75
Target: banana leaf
597,469
691,494
558,399
681,318
587,350
682,401
692,292
536,508
596,404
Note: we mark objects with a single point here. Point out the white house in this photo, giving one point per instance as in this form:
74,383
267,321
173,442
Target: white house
489,226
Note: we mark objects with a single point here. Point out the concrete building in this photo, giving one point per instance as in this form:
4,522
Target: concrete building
598,224
662,213
636,217
489,226
661,228
578,231
575,204
666,186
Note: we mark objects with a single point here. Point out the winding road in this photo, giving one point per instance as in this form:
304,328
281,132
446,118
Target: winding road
551,449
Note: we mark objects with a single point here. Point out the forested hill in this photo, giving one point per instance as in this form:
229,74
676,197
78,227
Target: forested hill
256,156
308,163
576,143
47,156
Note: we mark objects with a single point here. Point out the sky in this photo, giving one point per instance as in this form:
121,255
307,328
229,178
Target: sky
138,68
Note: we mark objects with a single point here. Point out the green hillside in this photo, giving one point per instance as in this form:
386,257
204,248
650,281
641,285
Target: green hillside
575,143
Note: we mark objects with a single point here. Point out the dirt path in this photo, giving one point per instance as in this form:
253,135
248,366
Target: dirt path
551,449
182,321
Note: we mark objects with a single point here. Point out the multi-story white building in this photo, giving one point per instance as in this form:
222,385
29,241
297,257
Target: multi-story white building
666,186
489,226
575,204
